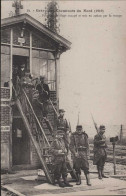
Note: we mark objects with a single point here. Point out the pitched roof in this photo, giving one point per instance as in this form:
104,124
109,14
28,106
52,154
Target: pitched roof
38,25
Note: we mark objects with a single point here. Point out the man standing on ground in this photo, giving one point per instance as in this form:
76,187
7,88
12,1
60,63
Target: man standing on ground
59,149
79,147
100,154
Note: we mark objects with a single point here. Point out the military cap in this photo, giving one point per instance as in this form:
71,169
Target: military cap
102,127
61,110
79,127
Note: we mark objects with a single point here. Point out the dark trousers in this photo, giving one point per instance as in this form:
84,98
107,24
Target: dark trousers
83,164
44,108
60,169
101,163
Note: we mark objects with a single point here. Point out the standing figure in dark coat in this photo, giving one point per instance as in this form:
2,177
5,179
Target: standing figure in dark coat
44,95
100,154
79,146
62,124
21,71
59,149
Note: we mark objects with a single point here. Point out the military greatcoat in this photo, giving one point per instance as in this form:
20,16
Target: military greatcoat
79,147
62,124
100,146
59,158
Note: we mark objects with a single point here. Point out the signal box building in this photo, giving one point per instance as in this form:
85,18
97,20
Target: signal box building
24,40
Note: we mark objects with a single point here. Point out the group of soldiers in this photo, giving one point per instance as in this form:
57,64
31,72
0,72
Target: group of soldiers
78,145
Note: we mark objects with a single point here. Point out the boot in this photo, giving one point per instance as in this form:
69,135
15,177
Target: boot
88,179
99,174
61,184
78,179
67,184
102,172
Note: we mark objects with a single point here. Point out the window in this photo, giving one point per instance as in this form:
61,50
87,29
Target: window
44,65
5,66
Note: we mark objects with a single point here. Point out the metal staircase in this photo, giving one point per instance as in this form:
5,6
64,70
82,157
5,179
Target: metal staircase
40,139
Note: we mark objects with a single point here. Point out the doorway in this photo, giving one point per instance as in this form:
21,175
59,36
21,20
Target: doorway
20,143
18,61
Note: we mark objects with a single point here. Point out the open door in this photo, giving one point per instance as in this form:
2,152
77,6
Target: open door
18,61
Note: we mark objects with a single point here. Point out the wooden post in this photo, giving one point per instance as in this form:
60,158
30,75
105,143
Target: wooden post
121,135
11,60
11,72
30,53
114,160
57,80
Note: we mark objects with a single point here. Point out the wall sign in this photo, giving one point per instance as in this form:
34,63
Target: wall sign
5,128
21,40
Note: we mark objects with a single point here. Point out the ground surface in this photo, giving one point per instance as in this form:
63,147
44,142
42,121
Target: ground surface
24,183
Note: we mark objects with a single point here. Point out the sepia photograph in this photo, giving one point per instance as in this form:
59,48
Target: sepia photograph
63,97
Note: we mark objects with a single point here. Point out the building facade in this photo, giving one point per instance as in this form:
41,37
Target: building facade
26,41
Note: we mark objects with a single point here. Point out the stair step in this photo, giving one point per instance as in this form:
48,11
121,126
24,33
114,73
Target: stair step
47,155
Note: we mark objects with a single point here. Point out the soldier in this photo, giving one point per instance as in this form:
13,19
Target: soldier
21,71
79,147
44,95
100,151
62,124
59,149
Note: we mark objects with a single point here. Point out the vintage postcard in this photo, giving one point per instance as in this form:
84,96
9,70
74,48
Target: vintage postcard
63,99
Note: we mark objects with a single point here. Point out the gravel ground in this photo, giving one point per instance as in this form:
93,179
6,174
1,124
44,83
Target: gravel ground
7,193
120,169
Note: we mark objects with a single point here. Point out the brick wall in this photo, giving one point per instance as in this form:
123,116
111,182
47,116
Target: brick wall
5,108
5,128
5,115
5,150
5,93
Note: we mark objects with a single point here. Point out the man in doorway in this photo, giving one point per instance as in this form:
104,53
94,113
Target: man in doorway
59,149
21,71
100,154
79,147
44,95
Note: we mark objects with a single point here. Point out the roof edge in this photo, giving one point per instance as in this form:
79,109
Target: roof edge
36,24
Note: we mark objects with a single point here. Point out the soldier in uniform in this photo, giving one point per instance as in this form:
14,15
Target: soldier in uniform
62,124
59,149
100,151
21,71
79,146
44,95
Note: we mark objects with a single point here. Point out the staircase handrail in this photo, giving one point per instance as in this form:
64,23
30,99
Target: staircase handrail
33,114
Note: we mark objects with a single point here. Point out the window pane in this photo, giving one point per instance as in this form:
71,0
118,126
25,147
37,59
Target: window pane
50,55
35,67
51,74
5,70
35,53
43,68
43,54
